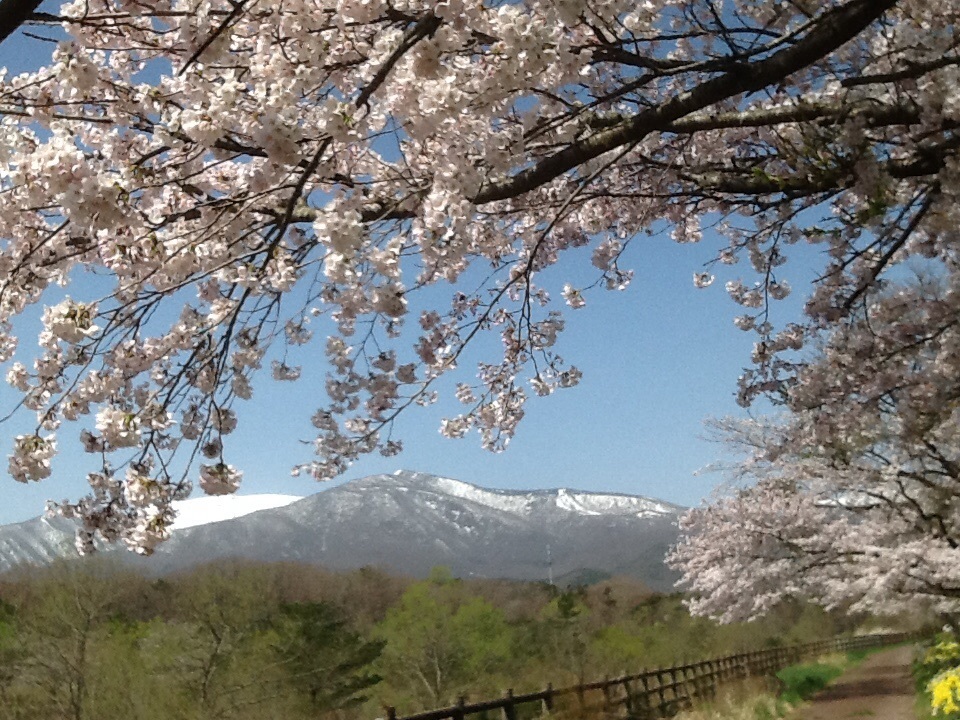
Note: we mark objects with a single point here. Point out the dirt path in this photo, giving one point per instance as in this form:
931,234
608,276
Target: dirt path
881,688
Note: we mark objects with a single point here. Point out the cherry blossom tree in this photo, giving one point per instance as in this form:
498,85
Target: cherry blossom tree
854,496
240,179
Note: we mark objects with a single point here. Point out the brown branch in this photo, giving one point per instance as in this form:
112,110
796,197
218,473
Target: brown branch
14,13
894,248
928,163
221,28
425,27
874,115
612,54
377,211
911,71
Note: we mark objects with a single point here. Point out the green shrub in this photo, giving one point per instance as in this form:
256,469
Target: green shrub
942,654
855,657
801,682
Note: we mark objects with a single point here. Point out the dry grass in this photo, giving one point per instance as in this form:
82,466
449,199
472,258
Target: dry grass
754,700
759,699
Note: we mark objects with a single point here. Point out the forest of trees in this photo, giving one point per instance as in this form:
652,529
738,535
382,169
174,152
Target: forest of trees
90,640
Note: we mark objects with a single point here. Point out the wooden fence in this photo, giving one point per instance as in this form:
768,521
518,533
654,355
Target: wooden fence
650,694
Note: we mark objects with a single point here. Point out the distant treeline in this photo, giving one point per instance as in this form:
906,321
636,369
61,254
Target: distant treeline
89,640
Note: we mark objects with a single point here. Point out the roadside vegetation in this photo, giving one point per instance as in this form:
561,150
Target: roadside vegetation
773,700
937,674
236,641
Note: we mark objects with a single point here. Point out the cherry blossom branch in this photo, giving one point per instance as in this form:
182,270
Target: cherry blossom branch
424,27
238,7
833,29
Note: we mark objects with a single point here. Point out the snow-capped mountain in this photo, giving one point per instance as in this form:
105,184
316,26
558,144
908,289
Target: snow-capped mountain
43,539
406,522
217,508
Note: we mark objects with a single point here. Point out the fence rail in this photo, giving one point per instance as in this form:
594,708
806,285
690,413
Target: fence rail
658,693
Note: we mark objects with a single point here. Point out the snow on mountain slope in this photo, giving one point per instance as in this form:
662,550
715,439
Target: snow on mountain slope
579,502
588,503
212,509
520,503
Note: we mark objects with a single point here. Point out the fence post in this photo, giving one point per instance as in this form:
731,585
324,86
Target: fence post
700,671
661,693
509,709
547,702
690,683
628,703
645,681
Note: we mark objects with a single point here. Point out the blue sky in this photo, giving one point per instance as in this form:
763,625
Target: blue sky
657,359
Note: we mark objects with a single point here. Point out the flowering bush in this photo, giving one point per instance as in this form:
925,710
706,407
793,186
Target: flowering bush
938,675
944,692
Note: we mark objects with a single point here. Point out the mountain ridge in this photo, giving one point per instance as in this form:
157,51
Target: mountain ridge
409,522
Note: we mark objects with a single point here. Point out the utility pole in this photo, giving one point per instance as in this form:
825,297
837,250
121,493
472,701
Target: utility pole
549,565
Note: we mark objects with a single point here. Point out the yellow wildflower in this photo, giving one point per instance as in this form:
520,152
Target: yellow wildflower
944,692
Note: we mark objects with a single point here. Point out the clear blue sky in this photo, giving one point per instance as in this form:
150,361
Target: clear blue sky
657,359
